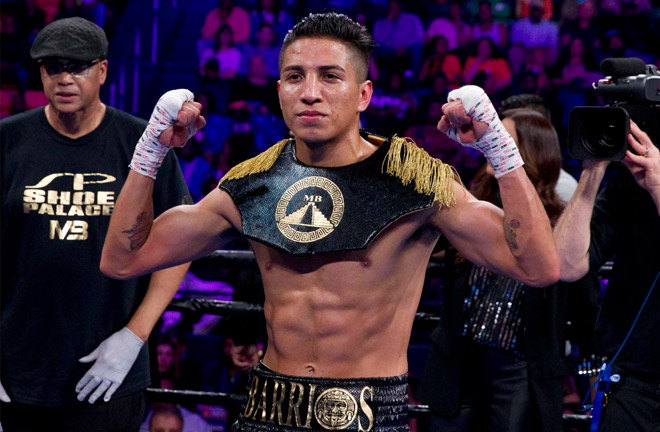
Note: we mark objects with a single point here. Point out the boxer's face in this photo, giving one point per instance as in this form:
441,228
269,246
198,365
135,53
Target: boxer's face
68,94
320,93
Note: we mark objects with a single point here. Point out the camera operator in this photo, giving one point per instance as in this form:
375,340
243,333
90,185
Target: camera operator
623,220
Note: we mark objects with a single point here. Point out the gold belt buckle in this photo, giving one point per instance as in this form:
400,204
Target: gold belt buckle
335,408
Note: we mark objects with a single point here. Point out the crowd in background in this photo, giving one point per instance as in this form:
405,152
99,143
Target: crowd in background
425,49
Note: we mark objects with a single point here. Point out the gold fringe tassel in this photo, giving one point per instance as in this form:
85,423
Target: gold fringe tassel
408,162
260,163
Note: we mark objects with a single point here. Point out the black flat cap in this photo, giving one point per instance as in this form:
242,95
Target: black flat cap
70,38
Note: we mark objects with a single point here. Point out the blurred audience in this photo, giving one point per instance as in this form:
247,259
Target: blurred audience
224,51
439,59
536,31
486,27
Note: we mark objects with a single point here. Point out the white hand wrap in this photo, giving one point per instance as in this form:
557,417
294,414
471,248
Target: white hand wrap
496,144
149,153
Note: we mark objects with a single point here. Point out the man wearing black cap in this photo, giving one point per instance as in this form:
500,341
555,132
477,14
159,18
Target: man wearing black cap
63,166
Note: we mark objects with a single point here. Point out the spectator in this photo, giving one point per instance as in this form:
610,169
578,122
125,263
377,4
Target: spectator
535,31
618,7
391,108
399,36
256,90
524,8
166,418
216,89
265,47
230,373
489,62
270,12
439,92
218,124
190,421
616,43
577,66
225,14
517,57
187,371
441,60
585,27
228,56
536,71
454,29
485,27
165,351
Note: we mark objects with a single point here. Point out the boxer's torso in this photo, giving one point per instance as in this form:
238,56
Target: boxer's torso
342,313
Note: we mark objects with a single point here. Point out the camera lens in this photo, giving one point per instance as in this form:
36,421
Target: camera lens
601,141
598,133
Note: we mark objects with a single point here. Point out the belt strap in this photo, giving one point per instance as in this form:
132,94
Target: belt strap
276,402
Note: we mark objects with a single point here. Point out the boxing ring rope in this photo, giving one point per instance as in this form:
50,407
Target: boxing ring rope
220,307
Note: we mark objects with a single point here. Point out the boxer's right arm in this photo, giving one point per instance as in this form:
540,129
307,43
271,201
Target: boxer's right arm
137,244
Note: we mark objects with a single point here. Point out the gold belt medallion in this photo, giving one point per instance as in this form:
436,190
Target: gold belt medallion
335,409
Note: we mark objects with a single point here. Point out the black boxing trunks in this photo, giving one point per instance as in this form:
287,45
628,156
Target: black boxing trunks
305,210
286,403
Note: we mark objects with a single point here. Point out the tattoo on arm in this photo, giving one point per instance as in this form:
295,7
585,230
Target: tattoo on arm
510,233
139,232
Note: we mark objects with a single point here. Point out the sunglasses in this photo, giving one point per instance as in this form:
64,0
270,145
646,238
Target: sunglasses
77,69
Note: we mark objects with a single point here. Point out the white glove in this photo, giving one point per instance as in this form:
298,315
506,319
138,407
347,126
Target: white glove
496,144
114,358
3,394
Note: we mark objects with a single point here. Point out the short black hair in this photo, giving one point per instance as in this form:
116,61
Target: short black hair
525,100
334,26
165,410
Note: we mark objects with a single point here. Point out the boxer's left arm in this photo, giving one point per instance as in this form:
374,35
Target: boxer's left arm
515,240
115,356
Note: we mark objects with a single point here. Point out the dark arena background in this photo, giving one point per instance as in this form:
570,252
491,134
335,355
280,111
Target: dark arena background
226,52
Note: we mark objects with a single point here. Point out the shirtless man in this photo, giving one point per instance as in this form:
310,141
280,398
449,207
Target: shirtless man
340,295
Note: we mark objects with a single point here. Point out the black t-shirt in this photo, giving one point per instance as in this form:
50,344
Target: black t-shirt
57,197
626,225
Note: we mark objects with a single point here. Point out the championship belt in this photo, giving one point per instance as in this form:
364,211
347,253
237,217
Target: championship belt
305,210
276,402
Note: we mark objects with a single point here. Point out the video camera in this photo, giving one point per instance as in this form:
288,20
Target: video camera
632,90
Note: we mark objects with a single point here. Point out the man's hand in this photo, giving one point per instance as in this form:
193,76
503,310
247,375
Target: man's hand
455,116
3,395
188,121
470,118
176,118
114,358
645,165
244,357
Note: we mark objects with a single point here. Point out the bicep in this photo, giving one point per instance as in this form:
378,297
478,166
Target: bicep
187,232
476,229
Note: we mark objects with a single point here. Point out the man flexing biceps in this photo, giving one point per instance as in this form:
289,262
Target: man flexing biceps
342,224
